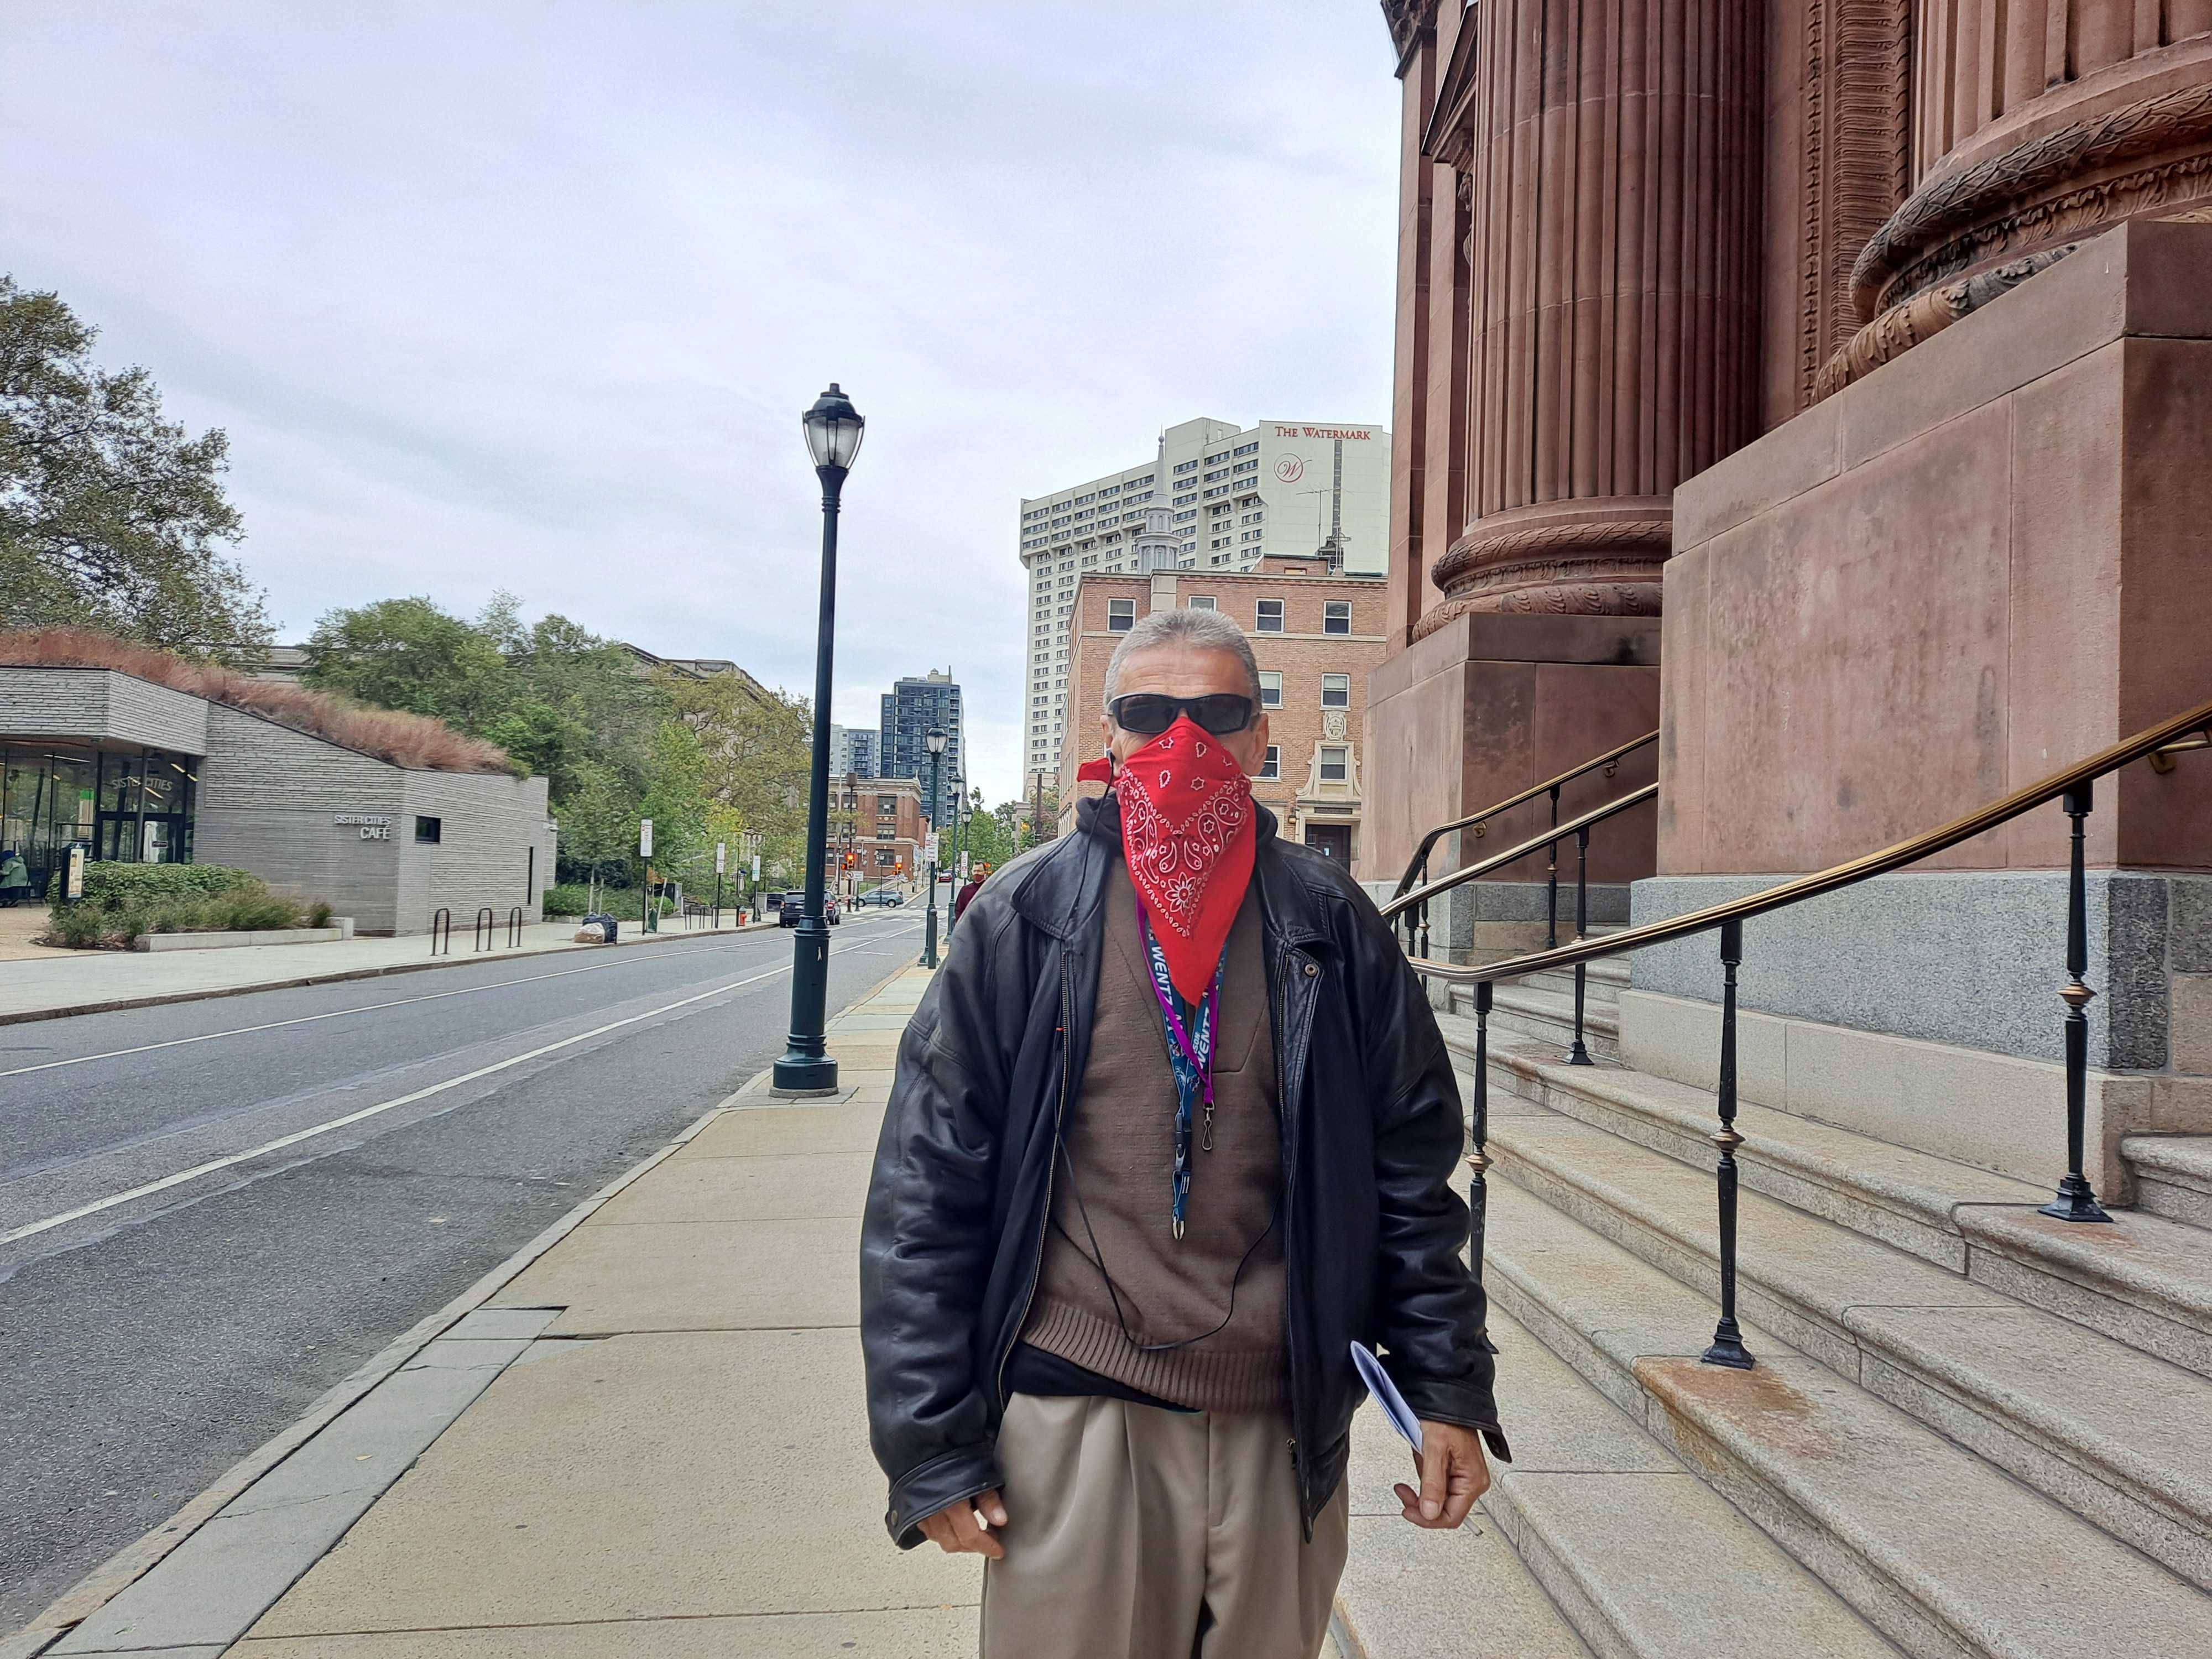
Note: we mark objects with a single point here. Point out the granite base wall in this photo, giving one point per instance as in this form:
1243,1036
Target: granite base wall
1970,958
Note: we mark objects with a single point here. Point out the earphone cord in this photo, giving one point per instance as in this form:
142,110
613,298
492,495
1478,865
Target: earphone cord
1096,1258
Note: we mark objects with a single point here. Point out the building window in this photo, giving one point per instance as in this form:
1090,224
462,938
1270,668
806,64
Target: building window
1201,602
1271,687
1120,616
1336,690
429,831
1336,616
1267,618
1273,765
1335,763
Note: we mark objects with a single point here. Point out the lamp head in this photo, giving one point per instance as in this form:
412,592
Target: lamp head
935,739
833,428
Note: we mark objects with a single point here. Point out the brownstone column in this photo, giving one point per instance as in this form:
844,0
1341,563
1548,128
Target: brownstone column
1614,151
2035,125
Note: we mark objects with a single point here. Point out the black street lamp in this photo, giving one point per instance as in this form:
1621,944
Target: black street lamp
959,878
935,739
833,428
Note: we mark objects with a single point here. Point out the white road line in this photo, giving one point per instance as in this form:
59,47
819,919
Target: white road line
336,1013
299,1135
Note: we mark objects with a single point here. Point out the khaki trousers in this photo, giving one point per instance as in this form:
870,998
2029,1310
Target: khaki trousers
1134,1533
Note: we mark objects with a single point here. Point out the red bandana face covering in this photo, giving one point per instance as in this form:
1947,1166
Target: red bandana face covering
1189,833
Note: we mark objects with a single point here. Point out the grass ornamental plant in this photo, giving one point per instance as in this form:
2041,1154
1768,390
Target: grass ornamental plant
123,902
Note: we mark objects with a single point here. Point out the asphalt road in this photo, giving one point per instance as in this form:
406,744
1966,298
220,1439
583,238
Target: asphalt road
212,1212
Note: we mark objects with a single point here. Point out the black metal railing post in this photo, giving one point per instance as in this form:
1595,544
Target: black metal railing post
1478,1160
441,917
1421,927
1728,1347
1552,881
1579,1054
2077,1199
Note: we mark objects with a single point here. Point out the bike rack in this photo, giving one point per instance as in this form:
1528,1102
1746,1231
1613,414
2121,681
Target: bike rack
487,929
514,928
441,917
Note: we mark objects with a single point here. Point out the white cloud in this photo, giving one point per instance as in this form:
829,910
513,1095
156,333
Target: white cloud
530,296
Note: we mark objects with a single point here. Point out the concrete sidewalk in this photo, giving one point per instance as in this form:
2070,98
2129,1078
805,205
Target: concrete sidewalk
59,983
652,1440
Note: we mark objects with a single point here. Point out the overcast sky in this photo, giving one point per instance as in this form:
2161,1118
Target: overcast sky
530,296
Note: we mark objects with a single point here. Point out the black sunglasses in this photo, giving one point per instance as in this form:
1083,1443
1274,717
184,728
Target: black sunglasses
1148,714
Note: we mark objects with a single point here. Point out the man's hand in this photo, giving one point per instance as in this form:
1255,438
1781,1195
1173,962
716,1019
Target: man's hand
1453,1474
956,1530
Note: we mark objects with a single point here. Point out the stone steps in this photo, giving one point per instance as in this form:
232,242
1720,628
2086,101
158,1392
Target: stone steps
1639,1554
1904,1198
1519,1014
2173,1176
2145,1280
2114,1433
1944,1553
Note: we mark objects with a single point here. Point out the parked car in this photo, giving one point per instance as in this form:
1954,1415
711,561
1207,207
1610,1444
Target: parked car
794,910
882,897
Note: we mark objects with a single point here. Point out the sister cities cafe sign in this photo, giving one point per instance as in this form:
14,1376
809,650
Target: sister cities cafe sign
375,826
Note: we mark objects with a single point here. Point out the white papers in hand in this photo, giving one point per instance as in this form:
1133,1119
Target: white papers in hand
1394,1408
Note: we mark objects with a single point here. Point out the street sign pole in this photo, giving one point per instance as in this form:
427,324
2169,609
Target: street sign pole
647,921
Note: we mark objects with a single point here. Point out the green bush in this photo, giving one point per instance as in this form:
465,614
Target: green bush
123,900
568,899
117,885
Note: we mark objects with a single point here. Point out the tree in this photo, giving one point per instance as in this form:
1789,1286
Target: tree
757,749
110,517
990,834
408,653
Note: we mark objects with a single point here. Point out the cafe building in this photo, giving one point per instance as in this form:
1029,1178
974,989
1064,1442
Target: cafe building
137,771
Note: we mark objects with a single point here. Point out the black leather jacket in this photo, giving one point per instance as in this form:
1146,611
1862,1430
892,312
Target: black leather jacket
988,1069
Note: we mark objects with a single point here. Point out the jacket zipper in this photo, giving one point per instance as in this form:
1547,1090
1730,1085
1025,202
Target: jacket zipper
1300,1021
1051,1170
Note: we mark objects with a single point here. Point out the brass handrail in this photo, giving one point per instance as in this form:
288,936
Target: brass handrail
1909,851
1420,858
1405,901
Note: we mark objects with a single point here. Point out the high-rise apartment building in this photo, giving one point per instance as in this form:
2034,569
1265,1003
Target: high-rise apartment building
1232,495
911,706
854,750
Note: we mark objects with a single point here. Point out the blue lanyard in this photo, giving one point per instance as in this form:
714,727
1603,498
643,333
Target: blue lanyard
1190,1056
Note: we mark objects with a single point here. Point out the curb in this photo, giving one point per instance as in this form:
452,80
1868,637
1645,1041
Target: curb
135,1559
120,1004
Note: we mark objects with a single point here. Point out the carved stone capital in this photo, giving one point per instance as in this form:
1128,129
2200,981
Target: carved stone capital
1408,21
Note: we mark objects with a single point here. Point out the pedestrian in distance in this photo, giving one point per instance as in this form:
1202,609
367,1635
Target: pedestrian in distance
1171,1131
974,881
15,879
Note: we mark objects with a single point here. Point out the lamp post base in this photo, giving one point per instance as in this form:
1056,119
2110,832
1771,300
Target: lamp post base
797,1073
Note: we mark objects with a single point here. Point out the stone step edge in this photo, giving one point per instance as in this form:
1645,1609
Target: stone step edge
1950,1216
2173,1176
1714,1536
2141,1512
1918,1215
1794,1519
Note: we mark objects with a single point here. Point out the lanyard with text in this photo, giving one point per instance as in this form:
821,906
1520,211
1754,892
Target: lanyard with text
1190,1053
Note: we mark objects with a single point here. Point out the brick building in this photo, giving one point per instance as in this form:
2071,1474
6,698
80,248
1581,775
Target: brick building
878,823
1316,636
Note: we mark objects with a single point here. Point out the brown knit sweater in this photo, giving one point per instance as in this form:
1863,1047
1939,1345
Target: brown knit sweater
1120,1137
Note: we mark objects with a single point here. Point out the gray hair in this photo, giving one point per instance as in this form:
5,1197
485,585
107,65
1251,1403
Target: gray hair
1194,630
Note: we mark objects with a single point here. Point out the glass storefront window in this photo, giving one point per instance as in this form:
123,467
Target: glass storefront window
132,805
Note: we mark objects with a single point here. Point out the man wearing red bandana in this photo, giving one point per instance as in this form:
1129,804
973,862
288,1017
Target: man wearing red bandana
1172,1131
